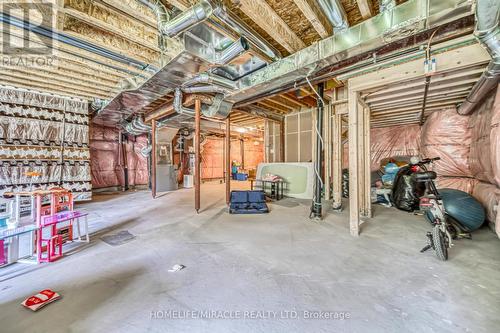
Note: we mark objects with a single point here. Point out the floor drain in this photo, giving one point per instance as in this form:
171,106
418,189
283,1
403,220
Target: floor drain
118,239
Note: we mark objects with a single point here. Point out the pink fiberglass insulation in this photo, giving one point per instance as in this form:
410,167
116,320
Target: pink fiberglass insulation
488,195
495,139
254,153
104,163
136,163
457,183
497,225
446,134
105,150
495,152
403,140
482,156
392,141
212,158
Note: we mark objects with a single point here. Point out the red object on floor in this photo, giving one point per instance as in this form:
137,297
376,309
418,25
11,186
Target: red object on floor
3,259
41,299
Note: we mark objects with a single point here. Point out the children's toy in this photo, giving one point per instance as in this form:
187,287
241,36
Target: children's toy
50,218
13,229
41,299
54,219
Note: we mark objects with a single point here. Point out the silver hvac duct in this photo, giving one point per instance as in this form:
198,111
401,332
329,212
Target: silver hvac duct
208,78
137,126
130,83
132,130
98,104
385,5
138,123
172,27
335,13
231,52
206,90
145,151
178,107
219,109
487,32
202,11
410,18
242,29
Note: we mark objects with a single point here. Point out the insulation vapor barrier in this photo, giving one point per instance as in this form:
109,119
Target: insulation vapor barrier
482,156
393,141
388,142
32,126
106,170
488,195
464,184
212,158
446,134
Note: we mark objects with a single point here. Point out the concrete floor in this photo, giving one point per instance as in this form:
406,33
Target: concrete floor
272,266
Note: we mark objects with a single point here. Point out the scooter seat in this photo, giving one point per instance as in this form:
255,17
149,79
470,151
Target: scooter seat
424,176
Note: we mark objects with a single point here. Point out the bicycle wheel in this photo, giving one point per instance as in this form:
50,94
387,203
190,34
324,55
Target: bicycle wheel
439,243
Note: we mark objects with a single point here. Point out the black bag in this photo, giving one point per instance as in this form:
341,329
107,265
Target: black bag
406,192
345,183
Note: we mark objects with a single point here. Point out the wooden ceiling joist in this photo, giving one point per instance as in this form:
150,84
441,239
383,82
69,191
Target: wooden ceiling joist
251,123
305,101
46,87
133,8
316,16
181,4
285,102
111,21
395,123
52,82
273,106
265,17
418,97
77,78
83,57
446,78
292,99
42,75
415,110
365,8
446,100
433,88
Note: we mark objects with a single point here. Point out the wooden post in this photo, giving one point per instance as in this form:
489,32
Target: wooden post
267,156
353,164
153,158
227,166
361,161
367,162
242,152
197,171
337,160
282,142
327,138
